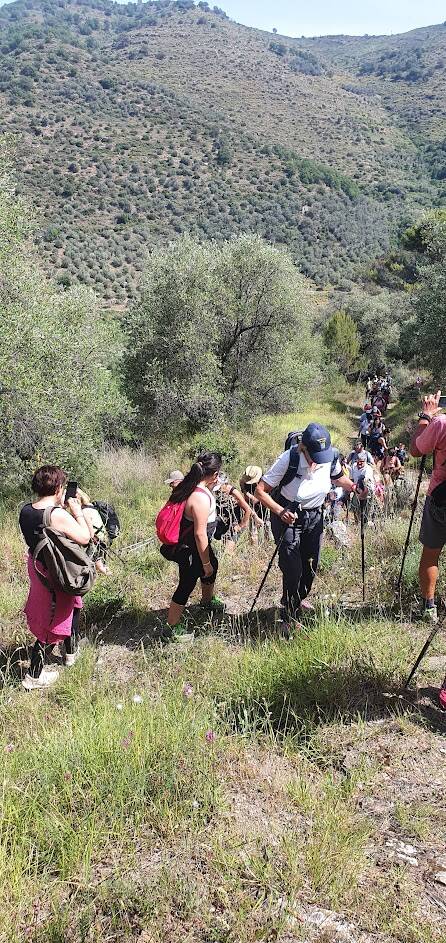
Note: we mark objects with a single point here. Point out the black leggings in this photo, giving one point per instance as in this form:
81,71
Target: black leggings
191,569
40,650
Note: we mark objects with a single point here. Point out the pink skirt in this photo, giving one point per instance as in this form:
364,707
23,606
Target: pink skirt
48,626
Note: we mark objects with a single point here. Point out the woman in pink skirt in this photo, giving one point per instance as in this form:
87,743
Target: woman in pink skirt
50,624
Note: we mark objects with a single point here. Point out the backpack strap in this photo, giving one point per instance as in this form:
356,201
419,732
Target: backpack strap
203,491
292,471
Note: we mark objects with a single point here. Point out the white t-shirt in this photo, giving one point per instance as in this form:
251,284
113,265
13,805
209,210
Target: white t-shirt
366,473
308,488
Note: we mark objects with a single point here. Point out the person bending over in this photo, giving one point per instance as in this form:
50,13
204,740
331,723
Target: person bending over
195,557
50,623
294,490
233,513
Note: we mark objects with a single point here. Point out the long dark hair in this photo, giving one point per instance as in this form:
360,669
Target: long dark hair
206,464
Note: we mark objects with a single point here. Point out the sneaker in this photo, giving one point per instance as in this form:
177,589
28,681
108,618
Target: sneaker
70,659
214,605
442,698
45,679
431,615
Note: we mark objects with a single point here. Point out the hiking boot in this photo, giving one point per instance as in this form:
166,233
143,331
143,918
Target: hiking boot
45,680
288,626
431,615
214,605
442,697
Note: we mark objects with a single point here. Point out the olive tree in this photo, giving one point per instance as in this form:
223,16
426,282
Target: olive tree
221,330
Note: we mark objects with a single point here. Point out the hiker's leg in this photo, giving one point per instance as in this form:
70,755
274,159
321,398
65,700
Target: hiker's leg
72,641
38,658
189,574
208,583
428,572
290,563
310,548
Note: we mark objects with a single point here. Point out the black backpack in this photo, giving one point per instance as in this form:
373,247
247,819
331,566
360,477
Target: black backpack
109,517
292,439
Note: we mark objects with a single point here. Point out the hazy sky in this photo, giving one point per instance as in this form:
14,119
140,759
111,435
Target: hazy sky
319,17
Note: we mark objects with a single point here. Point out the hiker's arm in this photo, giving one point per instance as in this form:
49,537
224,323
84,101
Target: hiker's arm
345,483
424,439
72,525
263,493
238,497
199,506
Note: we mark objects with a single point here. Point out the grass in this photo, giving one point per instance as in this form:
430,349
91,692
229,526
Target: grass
244,789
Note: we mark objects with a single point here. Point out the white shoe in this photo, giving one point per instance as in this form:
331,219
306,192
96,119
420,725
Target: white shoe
45,679
70,659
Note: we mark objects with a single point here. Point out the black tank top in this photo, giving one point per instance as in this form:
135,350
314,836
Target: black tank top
30,522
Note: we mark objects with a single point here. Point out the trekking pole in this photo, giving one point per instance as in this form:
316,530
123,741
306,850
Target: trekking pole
361,507
412,517
422,654
276,551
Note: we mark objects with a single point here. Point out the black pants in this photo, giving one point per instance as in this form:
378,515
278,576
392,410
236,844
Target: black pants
191,570
40,650
298,555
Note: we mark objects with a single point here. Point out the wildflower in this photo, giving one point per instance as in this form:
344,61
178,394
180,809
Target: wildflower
68,776
125,743
9,747
210,736
137,699
195,804
188,690
119,707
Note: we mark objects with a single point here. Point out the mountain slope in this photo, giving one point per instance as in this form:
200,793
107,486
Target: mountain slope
136,123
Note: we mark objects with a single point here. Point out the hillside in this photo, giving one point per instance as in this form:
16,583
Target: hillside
136,123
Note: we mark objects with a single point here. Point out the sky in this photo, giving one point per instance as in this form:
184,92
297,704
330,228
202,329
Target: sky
323,17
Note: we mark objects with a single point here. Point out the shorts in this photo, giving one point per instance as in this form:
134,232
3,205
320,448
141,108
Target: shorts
433,526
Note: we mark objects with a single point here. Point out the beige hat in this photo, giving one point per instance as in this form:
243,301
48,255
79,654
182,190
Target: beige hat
174,477
251,475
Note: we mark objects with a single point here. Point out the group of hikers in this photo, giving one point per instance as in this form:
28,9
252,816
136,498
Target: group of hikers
290,498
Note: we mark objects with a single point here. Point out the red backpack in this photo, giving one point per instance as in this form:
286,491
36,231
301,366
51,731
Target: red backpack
168,521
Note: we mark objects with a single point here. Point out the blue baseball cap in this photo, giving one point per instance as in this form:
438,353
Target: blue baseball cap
317,441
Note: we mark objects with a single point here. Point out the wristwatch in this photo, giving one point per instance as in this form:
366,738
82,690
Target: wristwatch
425,416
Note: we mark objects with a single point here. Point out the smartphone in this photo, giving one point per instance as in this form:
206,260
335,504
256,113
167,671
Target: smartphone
71,490
442,402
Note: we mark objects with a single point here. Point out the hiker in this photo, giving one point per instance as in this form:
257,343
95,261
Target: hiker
103,528
174,478
50,623
401,453
260,515
233,513
430,438
377,441
357,450
391,466
362,474
194,554
364,425
294,490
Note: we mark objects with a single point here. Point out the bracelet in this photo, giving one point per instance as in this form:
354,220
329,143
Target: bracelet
424,416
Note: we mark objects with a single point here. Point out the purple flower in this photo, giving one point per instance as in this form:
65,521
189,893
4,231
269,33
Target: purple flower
210,736
125,743
9,747
188,690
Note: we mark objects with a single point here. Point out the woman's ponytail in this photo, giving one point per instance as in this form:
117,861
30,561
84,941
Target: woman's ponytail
206,464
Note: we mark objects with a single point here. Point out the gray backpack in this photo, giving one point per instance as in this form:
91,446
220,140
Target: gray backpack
69,567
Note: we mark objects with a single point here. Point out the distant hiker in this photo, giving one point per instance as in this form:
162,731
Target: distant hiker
294,489
233,513
364,425
430,438
377,441
358,449
401,453
391,465
51,618
194,554
260,515
174,478
363,477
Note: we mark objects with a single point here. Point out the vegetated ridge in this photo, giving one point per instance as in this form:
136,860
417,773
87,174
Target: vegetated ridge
135,123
